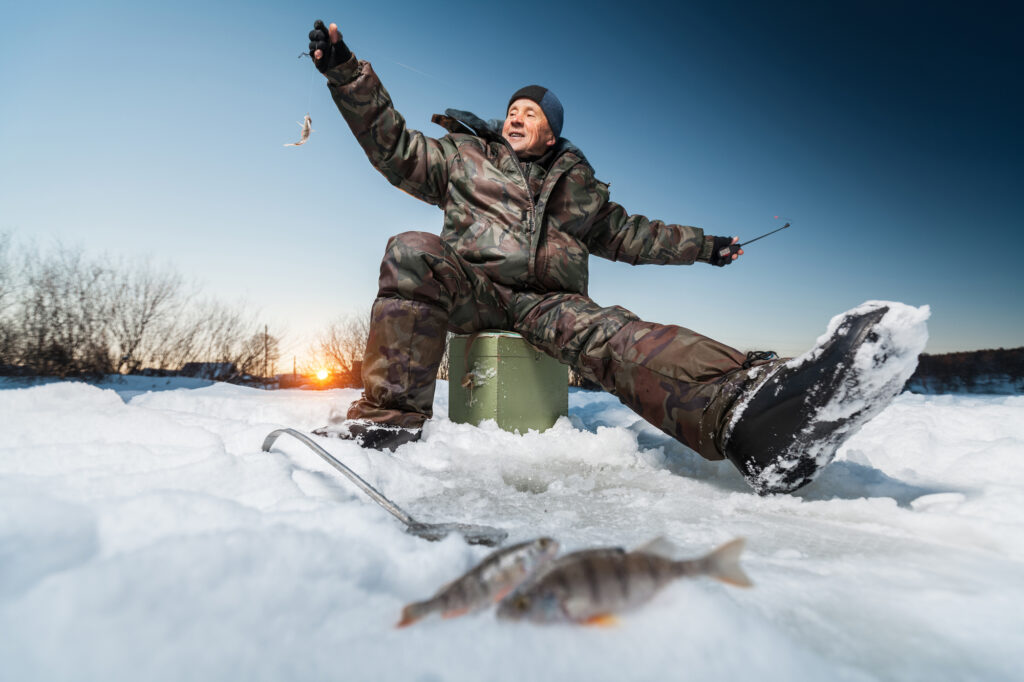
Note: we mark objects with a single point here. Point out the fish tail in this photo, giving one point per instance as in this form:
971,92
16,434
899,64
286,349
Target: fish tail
724,564
412,613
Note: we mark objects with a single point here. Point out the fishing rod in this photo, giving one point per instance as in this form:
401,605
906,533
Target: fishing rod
728,249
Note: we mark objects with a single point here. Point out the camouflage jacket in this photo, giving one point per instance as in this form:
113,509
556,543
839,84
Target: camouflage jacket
527,226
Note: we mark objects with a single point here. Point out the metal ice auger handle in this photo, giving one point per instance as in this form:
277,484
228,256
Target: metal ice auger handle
477,535
374,494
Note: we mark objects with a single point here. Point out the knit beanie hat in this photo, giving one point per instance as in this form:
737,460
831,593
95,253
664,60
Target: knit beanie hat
548,103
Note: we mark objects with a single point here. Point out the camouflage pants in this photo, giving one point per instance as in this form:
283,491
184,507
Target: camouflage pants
674,378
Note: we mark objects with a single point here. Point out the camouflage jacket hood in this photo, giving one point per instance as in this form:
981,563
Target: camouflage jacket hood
527,226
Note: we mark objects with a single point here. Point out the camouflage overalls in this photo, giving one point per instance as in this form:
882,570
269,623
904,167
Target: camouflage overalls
513,255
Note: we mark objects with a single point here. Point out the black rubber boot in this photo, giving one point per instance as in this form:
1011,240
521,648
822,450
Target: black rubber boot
371,434
788,426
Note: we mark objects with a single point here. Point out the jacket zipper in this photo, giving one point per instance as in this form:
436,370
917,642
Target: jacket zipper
526,182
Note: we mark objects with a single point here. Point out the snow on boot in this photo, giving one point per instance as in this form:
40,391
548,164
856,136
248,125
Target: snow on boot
371,434
789,424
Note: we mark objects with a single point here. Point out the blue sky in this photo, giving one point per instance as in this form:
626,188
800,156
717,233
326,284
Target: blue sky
887,133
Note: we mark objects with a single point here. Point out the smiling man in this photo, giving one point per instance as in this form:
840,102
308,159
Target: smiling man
533,122
523,212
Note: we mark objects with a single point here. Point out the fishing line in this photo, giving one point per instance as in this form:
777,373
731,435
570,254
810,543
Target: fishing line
309,96
312,77
306,123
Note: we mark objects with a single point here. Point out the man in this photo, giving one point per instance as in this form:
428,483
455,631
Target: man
523,211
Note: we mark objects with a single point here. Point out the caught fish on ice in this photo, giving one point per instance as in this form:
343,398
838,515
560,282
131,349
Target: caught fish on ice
488,582
591,586
307,128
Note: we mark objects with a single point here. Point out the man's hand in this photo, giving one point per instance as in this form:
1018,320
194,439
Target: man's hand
326,46
724,251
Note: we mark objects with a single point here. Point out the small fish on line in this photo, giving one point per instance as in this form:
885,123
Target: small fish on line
307,128
591,586
488,582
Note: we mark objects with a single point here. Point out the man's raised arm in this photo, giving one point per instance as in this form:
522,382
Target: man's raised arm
409,160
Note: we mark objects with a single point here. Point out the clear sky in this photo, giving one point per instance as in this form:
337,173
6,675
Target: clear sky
888,133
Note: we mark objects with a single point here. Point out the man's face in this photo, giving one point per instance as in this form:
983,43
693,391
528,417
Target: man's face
526,128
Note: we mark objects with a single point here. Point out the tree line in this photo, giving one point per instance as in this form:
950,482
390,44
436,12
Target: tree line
67,314
64,313
969,370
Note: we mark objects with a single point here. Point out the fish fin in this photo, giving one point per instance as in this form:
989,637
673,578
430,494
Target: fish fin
455,613
416,611
659,546
602,620
724,564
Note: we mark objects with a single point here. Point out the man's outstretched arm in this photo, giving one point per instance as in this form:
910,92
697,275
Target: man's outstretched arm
409,159
635,239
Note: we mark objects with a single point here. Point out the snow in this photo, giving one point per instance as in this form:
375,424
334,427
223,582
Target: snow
145,536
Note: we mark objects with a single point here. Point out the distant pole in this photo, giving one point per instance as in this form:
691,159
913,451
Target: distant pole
293,366
266,355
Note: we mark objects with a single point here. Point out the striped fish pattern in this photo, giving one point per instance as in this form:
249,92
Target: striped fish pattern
591,586
488,582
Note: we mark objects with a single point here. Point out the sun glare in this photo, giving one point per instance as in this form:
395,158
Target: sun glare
322,374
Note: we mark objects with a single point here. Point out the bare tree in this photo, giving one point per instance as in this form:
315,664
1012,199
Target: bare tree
144,302
341,344
8,277
180,334
63,315
259,355
207,331
7,274
221,332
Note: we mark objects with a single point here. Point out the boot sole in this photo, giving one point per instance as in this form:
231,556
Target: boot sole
804,411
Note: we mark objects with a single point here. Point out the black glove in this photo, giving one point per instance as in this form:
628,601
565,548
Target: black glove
722,250
331,55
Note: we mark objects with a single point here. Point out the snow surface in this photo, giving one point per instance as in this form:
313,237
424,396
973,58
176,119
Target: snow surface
149,538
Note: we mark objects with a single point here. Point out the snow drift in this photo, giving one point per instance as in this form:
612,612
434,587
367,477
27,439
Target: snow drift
153,540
